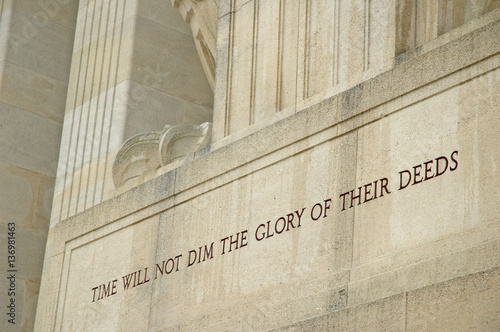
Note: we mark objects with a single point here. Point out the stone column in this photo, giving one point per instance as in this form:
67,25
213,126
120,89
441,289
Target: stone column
276,58
135,69
36,40
420,21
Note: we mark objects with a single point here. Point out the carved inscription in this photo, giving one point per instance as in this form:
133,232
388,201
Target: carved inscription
417,174
275,227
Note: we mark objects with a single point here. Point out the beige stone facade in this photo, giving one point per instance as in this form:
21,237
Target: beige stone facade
227,165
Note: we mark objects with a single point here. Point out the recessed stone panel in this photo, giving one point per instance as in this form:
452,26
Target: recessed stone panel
426,153
108,285
277,229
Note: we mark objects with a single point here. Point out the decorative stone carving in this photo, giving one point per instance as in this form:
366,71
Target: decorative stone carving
144,153
179,141
136,157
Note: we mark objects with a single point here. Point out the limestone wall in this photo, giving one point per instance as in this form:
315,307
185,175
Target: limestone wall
373,209
36,40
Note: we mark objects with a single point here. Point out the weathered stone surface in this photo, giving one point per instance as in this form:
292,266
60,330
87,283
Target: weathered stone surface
383,315
137,157
61,12
318,250
470,303
40,45
352,268
179,141
33,92
119,260
350,185
181,72
28,150
36,38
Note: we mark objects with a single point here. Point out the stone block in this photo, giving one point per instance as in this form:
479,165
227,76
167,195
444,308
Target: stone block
426,272
42,47
225,6
31,146
469,303
17,195
264,97
221,84
238,101
30,253
33,92
29,304
412,137
25,198
382,315
48,294
60,12
92,269
115,58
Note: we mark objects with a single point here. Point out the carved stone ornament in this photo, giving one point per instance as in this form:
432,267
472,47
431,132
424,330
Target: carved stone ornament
144,153
137,156
178,141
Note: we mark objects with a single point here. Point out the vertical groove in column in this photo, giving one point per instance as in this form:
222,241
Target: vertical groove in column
1,11
91,119
92,116
366,55
98,125
109,32
81,135
281,32
113,99
307,53
414,25
73,124
406,311
229,68
297,62
255,40
336,42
